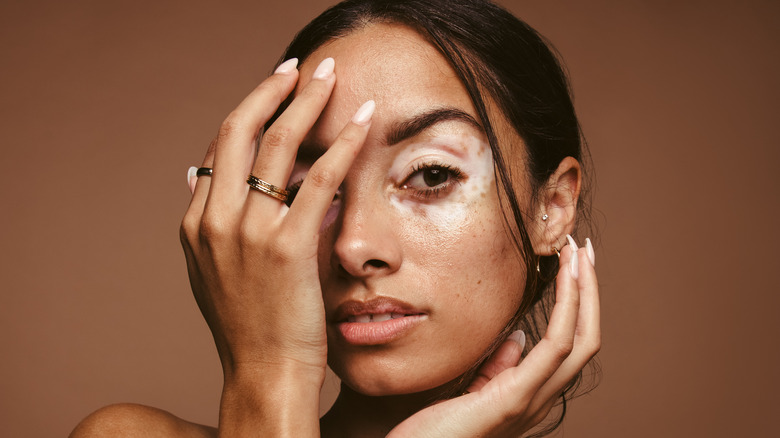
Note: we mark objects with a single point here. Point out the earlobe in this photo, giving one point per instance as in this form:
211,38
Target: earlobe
557,208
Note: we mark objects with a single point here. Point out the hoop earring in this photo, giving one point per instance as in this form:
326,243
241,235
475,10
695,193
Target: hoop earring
556,251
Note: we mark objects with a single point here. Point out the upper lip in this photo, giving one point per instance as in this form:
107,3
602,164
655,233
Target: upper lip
374,306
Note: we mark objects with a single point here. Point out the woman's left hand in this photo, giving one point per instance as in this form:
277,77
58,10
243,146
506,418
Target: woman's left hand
506,399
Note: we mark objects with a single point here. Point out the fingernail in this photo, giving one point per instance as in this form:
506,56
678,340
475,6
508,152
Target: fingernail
590,251
363,115
192,177
573,244
287,66
519,337
325,69
574,264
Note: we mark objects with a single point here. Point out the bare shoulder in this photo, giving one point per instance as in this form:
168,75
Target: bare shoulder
132,420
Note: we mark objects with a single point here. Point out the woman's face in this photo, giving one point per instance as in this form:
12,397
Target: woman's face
418,273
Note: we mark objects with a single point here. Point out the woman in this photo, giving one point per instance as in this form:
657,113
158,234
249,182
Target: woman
433,170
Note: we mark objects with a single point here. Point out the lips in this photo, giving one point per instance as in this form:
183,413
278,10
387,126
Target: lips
378,317
375,322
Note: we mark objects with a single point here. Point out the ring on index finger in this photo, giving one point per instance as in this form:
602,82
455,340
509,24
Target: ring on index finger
267,188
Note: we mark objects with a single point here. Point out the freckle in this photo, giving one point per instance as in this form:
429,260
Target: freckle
479,282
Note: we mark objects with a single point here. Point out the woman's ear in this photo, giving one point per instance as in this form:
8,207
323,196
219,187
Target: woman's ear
557,208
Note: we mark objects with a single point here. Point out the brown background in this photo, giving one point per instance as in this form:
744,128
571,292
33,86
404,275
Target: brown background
106,103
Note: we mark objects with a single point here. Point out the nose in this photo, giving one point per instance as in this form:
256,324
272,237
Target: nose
365,244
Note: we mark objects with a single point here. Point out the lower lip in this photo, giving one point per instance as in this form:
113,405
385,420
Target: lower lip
377,333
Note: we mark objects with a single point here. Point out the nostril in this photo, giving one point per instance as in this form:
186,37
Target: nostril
374,263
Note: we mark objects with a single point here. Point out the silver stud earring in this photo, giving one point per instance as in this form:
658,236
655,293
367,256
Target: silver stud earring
545,217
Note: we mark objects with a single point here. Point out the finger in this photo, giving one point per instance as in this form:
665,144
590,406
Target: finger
203,183
279,144
587,339
588,332
190,225
547,356
326,174
507,356
235,142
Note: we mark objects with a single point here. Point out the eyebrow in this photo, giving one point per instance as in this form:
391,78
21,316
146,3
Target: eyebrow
400,131
414,125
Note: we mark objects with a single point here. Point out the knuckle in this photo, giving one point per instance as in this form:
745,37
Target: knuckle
188,230
351,137
212,147
561,348
316,90
230,126
593,346
274,88
322,177
277,137
249,235
212,229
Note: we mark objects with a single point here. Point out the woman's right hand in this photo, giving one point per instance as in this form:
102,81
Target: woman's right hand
252,261
507,399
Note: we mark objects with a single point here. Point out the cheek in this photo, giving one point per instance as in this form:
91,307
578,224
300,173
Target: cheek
465,246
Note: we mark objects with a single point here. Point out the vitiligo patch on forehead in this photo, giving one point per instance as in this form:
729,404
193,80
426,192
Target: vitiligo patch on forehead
464,151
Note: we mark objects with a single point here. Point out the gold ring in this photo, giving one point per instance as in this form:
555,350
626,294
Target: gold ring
267,188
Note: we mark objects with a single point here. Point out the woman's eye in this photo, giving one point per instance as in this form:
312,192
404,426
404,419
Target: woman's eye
432,180
434,177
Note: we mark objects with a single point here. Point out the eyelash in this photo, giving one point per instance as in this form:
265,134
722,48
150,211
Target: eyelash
454,176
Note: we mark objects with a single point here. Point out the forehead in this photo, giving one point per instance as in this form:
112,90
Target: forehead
394,66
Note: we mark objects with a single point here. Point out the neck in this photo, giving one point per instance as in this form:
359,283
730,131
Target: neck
357,415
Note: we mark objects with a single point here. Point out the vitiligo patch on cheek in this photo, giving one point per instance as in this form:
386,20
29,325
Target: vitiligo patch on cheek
468,153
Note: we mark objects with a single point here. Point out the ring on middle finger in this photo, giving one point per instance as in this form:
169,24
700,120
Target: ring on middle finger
267,188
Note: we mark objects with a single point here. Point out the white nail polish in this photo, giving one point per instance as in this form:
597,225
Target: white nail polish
519,337
574,264
590,251
363,115
325,69
572,243
287,66
192,178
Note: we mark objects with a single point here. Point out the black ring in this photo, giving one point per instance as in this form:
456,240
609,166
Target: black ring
203,171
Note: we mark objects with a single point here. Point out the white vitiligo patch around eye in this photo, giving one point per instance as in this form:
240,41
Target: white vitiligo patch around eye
466,152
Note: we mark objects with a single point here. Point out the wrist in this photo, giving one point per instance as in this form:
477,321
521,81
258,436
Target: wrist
271,400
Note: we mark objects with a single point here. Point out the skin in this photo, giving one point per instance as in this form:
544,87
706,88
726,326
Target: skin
469,285
270,279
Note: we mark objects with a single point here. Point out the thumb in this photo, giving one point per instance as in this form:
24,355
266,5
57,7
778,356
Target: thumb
507,356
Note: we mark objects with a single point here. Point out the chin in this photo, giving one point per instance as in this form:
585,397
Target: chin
378,373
